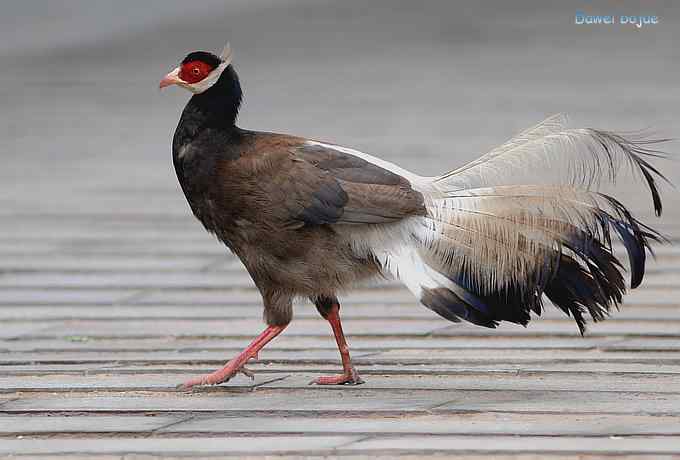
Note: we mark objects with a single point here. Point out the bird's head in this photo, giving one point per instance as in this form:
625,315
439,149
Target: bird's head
198,71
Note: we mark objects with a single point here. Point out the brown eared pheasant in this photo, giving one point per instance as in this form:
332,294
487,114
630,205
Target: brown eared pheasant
484,243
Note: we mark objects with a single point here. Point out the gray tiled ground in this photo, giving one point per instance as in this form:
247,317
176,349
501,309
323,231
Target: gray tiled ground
110,293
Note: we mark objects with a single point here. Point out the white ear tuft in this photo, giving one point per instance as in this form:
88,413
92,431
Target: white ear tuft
226,54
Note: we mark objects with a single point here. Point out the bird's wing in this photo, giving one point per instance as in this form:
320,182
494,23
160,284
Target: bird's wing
289,183
373,194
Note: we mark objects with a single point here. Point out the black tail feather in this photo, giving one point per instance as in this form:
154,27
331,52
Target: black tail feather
447,304
575,290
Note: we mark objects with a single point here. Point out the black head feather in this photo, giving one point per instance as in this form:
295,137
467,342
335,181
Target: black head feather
218,105
204,56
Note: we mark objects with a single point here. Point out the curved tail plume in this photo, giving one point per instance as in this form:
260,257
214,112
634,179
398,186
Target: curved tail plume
501,233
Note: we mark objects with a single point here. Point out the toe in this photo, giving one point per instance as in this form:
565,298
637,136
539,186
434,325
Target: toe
186,386
247,373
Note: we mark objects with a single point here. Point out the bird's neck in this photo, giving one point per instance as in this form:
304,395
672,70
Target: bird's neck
217,106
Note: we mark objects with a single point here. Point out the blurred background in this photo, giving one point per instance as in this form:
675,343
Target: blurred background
111,292
429,85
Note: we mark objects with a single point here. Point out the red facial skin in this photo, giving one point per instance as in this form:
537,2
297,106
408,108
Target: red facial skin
194,71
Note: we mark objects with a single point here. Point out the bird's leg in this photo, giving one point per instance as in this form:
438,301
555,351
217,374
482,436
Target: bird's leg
236,364
330,309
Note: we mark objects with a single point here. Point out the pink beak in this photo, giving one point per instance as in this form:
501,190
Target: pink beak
170,79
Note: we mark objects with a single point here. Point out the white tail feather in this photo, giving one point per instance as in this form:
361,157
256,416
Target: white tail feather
503,234
499,227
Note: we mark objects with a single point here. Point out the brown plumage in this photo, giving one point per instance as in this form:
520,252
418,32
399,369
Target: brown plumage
484,243
270,206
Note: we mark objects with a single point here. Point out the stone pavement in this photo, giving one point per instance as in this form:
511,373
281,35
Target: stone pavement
111,293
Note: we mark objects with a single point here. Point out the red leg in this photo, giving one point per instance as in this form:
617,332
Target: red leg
349,375
236,365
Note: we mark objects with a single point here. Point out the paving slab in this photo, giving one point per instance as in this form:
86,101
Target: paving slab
470,424
502,444
404,310
362,343
233,446
63,296
114,380
411,357
26,426
246,327
230,399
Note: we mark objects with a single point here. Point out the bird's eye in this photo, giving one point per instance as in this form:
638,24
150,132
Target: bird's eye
196,71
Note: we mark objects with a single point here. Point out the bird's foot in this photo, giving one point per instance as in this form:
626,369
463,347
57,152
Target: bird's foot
349,377
219,376
235,366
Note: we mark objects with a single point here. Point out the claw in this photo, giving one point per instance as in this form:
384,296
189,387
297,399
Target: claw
247,373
